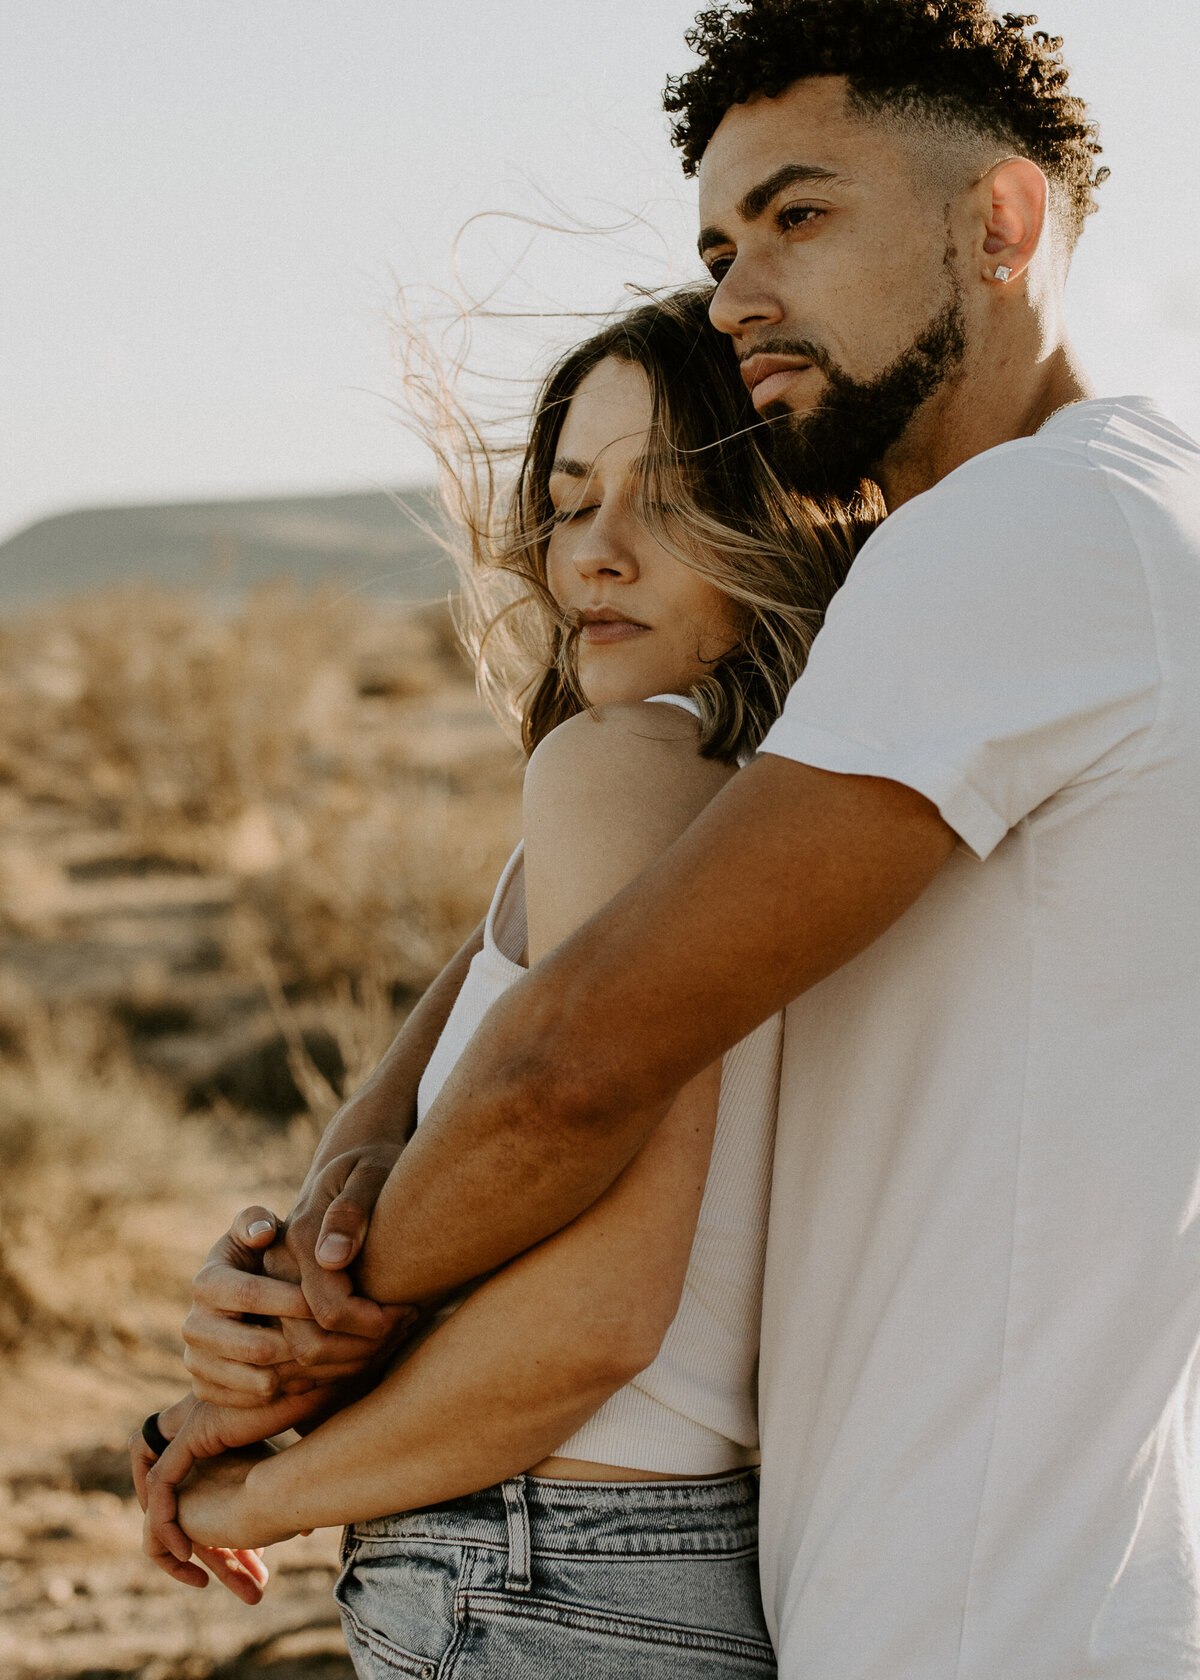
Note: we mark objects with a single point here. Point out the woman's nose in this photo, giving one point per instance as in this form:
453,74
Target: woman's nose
605,549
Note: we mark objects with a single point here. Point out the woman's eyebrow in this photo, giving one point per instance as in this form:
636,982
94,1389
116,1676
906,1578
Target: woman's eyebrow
570,467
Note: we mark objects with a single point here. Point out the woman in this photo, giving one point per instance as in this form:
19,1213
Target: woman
660,589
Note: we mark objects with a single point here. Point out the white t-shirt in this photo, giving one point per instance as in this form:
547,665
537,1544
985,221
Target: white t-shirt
979,1384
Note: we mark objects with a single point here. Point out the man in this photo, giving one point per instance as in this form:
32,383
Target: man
966,853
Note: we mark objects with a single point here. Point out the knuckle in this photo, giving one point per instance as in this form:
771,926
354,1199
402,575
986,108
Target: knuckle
343,1216
240,1292
330,1315
301,1221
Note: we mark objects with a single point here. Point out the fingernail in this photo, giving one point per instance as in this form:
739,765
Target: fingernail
260,1226
334,1249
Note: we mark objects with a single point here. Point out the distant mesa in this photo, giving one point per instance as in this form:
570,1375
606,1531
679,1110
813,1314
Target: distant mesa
375,543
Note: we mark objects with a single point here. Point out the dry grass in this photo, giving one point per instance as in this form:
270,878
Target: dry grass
224,836
86,1140
308,788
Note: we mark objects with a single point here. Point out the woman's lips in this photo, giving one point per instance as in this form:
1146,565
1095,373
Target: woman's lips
597,631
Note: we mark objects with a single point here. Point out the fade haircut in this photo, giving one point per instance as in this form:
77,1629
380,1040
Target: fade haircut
950,64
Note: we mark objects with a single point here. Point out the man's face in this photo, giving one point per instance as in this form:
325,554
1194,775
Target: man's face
836,277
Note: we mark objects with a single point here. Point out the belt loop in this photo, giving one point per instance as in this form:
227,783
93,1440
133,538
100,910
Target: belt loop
517,1512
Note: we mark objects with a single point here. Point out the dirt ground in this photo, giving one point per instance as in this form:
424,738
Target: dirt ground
78,1601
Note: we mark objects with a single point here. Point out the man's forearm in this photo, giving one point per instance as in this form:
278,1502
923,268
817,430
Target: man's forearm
797,871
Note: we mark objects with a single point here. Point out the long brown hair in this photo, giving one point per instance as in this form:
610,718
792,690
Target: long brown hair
708,493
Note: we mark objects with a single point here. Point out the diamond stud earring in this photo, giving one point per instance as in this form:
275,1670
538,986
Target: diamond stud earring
1003,273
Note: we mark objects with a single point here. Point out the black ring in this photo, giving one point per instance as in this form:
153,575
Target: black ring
153,1435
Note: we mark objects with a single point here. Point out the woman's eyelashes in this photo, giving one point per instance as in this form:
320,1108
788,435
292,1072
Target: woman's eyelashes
568,516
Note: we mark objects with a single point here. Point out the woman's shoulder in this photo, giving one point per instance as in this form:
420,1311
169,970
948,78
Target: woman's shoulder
606,793
629,745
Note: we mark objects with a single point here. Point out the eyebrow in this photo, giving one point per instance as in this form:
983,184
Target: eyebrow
761,196
571,468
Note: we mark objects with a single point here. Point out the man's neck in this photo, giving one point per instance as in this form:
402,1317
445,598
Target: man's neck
980,408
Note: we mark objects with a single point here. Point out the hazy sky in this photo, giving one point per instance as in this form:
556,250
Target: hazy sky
206,205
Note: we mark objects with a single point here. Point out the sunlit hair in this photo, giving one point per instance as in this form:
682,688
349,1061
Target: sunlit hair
707,493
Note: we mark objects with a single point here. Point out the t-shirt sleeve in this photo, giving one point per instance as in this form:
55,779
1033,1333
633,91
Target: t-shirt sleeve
993,644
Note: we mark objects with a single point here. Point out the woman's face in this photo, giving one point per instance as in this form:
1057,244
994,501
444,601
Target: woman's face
650,625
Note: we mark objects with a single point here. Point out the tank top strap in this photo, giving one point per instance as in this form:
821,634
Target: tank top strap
684,700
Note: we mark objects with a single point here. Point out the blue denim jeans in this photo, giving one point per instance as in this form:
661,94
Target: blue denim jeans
556,1580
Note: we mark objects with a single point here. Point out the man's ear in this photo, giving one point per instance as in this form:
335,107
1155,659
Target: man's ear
1014,199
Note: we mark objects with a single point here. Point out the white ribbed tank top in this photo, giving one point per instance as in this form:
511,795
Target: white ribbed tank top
693,1412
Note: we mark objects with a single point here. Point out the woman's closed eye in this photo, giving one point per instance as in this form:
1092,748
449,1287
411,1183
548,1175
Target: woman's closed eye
567,516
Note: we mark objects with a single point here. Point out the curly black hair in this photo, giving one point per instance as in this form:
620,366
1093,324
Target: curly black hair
952,60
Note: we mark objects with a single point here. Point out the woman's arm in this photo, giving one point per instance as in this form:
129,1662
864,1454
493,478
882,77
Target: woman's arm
527,1359
535,1351
233,1363
605,795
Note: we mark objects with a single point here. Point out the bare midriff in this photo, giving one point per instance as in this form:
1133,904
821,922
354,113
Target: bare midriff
581,1470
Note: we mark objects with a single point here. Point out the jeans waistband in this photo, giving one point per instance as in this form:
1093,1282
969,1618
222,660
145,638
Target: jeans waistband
531,1514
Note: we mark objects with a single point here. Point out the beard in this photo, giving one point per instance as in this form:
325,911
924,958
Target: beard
832,447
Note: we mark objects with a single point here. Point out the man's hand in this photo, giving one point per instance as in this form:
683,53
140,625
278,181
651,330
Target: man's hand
325,1232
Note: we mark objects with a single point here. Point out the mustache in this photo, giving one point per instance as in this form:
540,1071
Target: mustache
805,347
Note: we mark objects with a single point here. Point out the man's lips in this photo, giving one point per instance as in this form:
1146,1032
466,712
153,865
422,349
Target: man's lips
598,626
767,377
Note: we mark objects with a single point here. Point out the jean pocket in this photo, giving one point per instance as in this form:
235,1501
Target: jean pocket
398,1602
576,1638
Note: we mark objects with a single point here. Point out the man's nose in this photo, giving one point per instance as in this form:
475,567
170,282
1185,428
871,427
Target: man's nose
744,299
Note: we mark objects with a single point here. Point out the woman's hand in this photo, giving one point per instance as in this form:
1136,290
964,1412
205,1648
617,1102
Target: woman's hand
204,1432
252,1334
216,1509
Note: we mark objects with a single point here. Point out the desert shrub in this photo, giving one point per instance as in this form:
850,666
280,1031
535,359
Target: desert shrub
157,711
321,765
283,743
85,1137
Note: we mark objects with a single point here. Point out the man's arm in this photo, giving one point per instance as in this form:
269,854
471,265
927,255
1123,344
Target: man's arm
788,874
